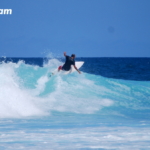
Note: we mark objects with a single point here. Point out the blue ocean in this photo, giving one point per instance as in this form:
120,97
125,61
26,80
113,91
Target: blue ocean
106,107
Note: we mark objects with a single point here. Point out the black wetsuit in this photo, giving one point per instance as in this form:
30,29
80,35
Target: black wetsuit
68,63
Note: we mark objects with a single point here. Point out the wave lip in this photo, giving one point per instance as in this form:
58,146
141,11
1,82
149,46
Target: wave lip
16,101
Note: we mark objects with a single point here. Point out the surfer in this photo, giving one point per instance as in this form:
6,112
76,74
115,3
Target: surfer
69,61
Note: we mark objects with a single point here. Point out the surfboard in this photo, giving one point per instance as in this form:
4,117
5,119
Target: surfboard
78,65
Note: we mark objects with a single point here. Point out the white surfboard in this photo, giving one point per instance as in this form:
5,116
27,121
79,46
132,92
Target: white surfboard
78,65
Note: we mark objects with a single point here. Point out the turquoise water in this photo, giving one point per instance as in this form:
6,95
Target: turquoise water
72,111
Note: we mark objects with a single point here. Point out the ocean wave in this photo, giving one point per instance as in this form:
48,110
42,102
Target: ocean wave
28,90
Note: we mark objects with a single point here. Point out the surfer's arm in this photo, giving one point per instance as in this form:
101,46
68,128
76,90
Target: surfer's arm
65,54
77,69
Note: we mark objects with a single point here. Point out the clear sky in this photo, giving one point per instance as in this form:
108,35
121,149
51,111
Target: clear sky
88,28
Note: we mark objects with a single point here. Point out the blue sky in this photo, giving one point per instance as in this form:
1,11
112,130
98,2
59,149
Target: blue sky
88,28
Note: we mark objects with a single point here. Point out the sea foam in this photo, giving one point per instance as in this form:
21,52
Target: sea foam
28,90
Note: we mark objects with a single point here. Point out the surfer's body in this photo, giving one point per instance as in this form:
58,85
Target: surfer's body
69,61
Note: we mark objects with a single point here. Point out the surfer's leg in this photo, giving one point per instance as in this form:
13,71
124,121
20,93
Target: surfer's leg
59,68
